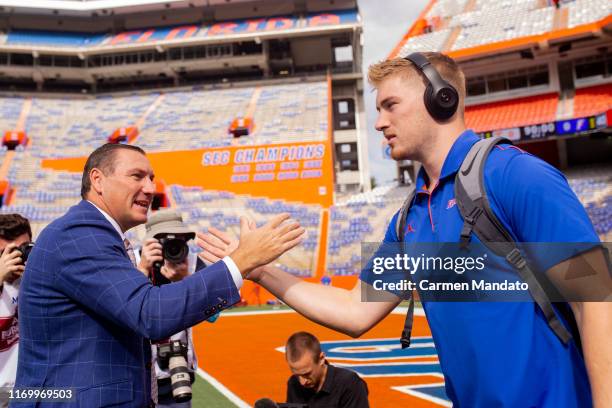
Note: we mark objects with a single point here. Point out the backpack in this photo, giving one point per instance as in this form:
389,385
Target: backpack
479,218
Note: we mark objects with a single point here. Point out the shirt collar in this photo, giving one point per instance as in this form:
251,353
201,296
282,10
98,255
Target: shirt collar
329,379
453,160
111,220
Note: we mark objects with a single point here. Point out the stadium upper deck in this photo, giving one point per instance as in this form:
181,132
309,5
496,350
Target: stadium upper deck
468,28
533,70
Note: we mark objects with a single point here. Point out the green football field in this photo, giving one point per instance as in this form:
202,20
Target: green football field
206,396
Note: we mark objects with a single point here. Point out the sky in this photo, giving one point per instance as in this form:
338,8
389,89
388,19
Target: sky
384,24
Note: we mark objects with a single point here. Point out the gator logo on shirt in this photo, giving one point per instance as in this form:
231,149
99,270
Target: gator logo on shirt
410,228
9,332
451,203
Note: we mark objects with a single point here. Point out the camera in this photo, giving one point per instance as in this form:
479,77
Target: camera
268,403
168,228
25,250
174,249
173,357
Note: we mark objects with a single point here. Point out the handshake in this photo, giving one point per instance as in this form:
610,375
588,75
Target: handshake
164,254
256,246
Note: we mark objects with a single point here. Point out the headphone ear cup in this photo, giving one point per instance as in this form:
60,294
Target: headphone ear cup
430,101
447,101
443,104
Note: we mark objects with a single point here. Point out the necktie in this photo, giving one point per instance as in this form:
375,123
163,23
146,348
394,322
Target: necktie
130,252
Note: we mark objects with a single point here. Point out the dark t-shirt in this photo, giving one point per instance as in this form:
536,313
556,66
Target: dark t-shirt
342,389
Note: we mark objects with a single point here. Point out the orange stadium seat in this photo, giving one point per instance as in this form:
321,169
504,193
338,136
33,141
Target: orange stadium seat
592,100
14,138
512,113
124,135
4,191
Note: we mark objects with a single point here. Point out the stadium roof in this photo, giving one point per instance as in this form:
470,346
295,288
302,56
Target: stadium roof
89,5
18,10
87,8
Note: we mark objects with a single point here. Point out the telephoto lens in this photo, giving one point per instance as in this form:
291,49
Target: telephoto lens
174,355
181,381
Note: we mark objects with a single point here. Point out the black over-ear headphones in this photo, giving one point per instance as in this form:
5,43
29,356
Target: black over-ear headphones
441,98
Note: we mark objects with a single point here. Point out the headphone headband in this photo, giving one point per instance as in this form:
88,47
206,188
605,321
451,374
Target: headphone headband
441,98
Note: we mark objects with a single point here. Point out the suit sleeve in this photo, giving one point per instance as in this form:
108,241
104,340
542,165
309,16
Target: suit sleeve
97,274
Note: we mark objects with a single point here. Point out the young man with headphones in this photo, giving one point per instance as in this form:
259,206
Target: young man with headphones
499,354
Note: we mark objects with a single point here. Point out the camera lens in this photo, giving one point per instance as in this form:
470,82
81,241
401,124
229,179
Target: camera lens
179,376
171,356
175,250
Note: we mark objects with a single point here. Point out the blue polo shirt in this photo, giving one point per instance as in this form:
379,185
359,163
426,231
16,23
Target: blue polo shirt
503,354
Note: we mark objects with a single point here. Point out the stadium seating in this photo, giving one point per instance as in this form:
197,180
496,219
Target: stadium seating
491,25
190,119
41,195
587,11
425,42
601,216
358,219
72,127
592,100
291,113
193,119
512,113
593,186
10,109
200,118
483,22
446,8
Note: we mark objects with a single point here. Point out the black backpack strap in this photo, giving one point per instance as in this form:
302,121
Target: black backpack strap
478,217
407,331
400,230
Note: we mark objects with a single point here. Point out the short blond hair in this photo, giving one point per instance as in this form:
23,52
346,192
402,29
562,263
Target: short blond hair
448,69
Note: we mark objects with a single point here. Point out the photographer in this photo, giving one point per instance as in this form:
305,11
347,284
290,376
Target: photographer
15,245
317,383
165,259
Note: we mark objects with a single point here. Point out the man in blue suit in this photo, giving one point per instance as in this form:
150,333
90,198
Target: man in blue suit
87,314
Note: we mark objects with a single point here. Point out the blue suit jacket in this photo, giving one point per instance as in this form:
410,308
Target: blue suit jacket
86,314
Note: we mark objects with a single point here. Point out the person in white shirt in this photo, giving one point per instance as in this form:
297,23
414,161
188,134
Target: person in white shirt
15,231
168,224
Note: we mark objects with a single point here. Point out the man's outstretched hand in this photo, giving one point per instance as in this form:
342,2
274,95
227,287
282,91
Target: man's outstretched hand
216,244
256,247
